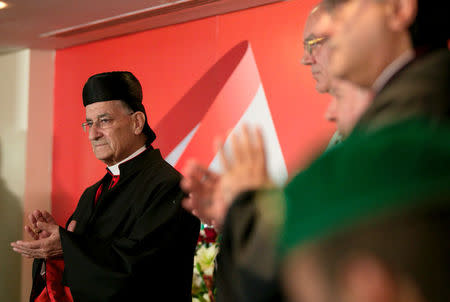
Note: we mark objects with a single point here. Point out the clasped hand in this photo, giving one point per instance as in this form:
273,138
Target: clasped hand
45,232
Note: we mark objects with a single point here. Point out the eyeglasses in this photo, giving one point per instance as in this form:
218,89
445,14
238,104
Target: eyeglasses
309,45
101,123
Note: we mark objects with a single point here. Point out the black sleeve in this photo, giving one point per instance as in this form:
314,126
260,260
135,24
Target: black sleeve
247,270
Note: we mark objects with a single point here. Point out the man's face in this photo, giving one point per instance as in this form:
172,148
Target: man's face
348,104
359,42
317,53
111,135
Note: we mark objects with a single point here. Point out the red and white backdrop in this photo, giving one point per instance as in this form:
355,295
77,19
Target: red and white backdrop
200,80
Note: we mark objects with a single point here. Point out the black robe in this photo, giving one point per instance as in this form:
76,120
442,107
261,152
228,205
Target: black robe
136,243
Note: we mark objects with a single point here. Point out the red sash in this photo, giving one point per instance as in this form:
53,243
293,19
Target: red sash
54,291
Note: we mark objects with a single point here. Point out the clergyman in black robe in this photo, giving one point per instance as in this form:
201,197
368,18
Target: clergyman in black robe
129,239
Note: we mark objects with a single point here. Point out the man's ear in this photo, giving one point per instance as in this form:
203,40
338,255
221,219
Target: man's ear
366,279
401,14
138,122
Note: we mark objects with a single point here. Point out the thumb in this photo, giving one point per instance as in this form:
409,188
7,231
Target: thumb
49,227
72,225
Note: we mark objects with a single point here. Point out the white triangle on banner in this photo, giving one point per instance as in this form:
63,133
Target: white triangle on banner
258,115
176,153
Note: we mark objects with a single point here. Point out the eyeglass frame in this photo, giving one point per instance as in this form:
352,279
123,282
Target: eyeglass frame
309,45
87,126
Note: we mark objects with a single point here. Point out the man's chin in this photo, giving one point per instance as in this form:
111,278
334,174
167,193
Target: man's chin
103,156
321,88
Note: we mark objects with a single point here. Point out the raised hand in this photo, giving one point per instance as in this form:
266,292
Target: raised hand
200,183
243,169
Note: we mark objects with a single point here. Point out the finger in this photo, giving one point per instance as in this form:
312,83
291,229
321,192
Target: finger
22,253
48,217
197,179
191,185
29,253
27,245
31,232
36,249
198,205
72,225
196,172
260,151
32,219
51,228
186,203
43,234
193,174
222,158
246,144
22,250
193,169
236,149
185,185
210,178
206,174
38,216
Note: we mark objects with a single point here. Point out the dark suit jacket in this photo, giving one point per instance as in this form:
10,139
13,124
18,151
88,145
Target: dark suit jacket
422,88
247,270
246,264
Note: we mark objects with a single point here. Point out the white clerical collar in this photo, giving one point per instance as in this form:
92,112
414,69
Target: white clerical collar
392,69
115,168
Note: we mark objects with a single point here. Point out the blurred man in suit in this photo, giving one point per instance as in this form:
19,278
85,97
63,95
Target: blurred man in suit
244,273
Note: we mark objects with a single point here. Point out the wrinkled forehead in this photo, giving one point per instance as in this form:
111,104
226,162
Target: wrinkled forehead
106,108
331,5
311,22
317,25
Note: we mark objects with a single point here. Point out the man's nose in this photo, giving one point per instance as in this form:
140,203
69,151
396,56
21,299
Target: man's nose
95,132
307,58
330,113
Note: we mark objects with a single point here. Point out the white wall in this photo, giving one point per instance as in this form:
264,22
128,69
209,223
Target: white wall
38,170
14,79
26,131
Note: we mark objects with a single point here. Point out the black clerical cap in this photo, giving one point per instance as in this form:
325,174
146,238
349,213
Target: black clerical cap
117,85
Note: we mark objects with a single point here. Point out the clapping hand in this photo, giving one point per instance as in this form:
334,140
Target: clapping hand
244,168
37,216
45,232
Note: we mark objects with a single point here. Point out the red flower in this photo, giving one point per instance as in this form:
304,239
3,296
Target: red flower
210,235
